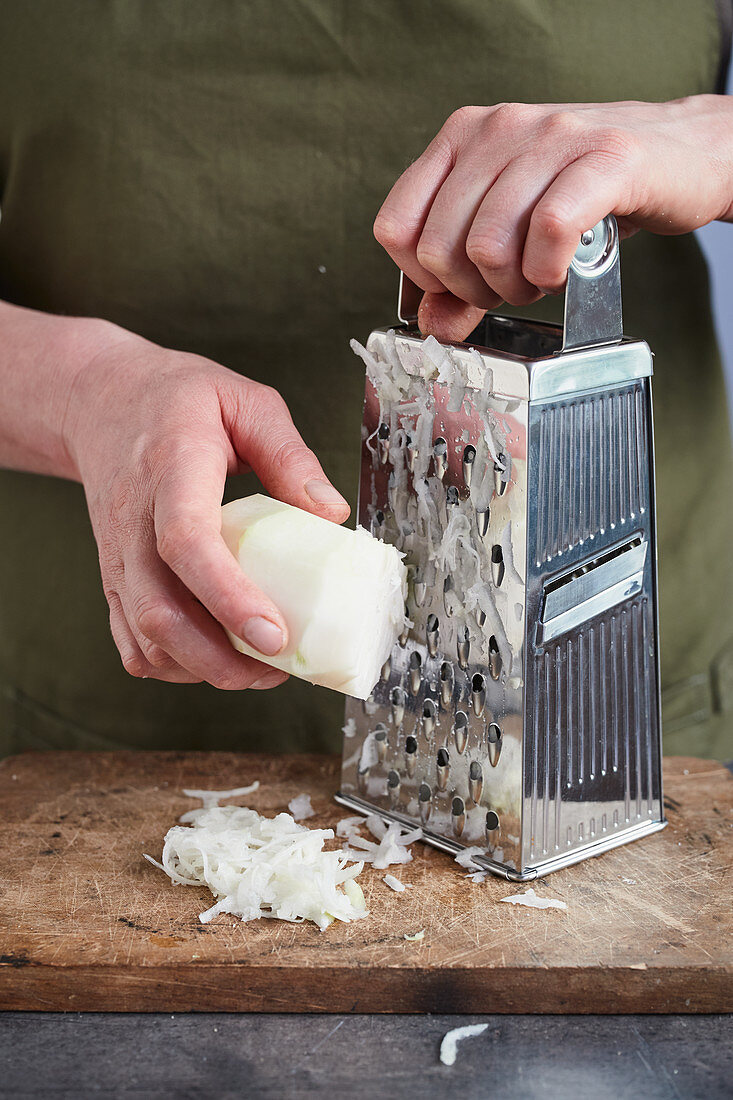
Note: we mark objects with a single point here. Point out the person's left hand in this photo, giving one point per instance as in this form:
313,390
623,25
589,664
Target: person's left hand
494,208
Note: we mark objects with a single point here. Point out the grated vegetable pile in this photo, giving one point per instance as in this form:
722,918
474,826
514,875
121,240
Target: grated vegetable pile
257,866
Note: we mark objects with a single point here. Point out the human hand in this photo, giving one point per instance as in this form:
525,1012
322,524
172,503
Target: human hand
152,434
494,208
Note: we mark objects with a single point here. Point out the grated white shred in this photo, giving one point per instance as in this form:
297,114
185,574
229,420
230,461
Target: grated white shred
465,857
349,730
417,937
449,1045
395,884
214,798
262,867
530,899
478,876
392,847
349,825
301,807
369,752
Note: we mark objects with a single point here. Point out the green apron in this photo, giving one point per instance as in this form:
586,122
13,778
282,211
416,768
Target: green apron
206,174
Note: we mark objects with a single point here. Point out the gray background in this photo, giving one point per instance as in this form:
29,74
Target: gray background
717,243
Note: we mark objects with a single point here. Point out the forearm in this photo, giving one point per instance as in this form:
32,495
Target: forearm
41,358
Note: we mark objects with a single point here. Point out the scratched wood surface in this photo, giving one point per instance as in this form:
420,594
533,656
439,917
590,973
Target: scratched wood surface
87,924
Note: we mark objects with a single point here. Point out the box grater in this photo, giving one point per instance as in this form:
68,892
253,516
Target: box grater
519,711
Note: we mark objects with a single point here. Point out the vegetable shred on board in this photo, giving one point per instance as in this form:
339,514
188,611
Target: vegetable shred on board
257,866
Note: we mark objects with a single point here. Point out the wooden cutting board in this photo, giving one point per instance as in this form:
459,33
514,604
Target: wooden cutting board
87,924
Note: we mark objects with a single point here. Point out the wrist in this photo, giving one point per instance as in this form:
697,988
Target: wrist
711,119
42,356
87,345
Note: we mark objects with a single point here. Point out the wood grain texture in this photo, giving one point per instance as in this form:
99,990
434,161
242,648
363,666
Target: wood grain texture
87,924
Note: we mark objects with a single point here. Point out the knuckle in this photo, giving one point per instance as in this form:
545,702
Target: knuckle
225,681
391,232
176,539
135,664
271,397
562,124
156,656
156,619
490,250
618,145
292,453
550,220
435,256
463,120
235,675
511,115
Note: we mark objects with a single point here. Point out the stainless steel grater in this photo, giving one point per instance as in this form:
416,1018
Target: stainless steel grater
519,710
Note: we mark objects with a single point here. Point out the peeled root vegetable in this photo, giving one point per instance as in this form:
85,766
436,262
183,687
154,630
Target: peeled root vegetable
342,592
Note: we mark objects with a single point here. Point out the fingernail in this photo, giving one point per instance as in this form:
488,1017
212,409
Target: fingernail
263,635
269,680
321,492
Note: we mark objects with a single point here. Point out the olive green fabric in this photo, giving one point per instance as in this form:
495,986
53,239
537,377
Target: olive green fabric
206,174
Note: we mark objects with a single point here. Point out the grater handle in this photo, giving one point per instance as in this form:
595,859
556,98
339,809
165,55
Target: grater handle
593,313
408,300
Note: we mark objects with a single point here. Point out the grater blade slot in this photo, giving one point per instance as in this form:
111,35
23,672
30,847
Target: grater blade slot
592,588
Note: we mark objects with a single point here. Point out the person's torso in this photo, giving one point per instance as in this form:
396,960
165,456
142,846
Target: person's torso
207,175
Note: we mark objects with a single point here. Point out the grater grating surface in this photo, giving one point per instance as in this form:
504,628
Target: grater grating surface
519,710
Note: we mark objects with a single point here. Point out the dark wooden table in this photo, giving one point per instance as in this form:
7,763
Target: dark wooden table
259,1056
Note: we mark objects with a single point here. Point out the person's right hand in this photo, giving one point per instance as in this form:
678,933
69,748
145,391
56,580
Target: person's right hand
152,435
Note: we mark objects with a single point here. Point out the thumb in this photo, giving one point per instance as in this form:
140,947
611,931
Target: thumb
447,318
264,436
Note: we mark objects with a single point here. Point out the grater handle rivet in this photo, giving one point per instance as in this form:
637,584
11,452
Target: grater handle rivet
593,313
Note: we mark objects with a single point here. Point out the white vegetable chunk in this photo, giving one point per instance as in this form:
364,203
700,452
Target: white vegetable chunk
301,807
533,901
451,1039
342,592
262,867
395,884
